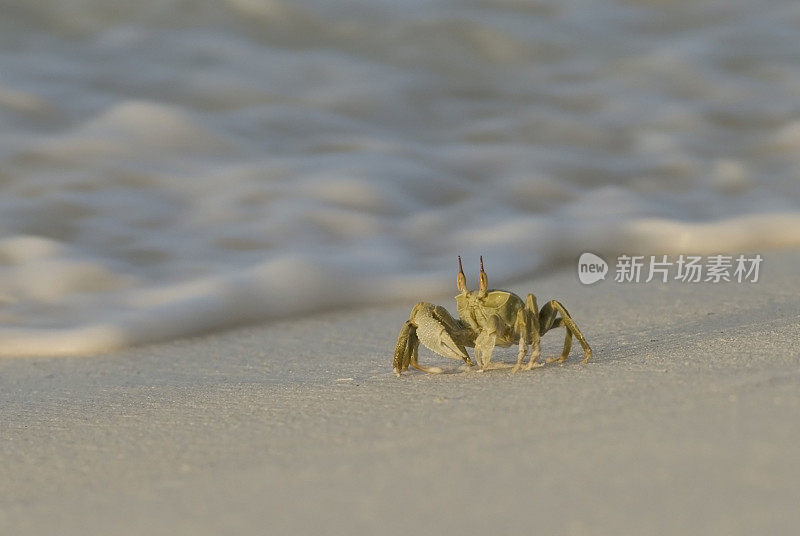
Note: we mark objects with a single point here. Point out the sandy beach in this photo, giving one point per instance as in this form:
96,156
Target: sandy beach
684,422
215,217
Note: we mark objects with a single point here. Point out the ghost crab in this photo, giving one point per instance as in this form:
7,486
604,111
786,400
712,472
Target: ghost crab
487,318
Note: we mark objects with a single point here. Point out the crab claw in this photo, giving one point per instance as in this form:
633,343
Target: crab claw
434,325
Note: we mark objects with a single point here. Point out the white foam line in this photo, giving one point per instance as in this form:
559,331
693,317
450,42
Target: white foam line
293,285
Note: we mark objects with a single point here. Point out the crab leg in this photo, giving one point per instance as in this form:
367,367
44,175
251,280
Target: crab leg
407,343
521,327
485,342
533,330
548,321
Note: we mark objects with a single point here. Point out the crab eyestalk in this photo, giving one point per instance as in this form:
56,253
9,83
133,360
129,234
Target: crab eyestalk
461,279
483,281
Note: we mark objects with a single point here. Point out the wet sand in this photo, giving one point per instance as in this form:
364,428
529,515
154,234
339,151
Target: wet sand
684,422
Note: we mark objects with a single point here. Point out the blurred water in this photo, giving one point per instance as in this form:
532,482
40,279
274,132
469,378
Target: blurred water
174,166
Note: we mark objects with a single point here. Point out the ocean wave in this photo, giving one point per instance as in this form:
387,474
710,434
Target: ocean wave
171,168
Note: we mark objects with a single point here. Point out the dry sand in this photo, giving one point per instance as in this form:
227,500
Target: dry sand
685,422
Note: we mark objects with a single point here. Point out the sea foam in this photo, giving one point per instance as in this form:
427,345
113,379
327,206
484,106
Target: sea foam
171,168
